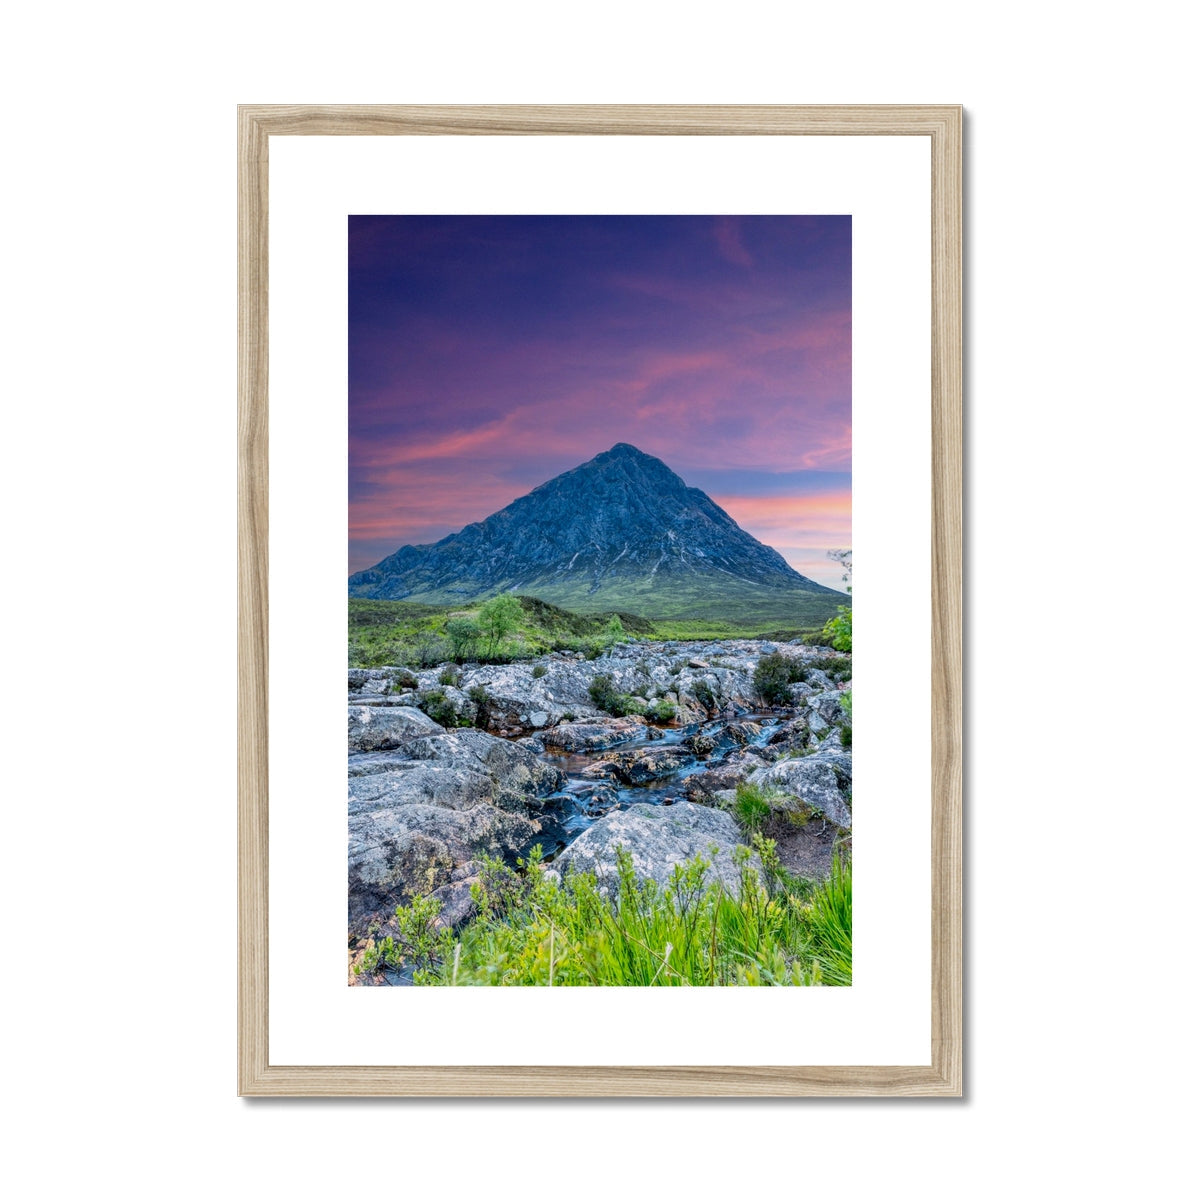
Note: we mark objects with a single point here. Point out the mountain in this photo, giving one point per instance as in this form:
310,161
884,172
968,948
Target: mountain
622,531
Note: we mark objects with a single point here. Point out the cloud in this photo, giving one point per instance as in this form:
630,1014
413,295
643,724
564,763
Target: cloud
728,233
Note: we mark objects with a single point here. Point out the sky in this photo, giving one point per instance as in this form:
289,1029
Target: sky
489,354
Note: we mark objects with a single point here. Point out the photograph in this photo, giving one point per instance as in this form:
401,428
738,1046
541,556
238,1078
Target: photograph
600,600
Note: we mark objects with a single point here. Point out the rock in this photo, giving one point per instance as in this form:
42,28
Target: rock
640,767
456,902
737,733
579,737
700,744
599,770
417,813
821,781
702,787
829,705
698,664
791,735
658,837
371,728
599,800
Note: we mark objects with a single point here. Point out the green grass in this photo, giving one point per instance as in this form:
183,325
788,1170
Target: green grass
535,931
401,633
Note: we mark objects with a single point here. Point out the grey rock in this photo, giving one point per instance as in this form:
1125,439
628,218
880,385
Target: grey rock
373,728
829,705
657,837
640,767
417,813
579,737
821,781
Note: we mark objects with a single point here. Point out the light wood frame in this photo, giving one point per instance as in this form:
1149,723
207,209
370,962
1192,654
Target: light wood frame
942,124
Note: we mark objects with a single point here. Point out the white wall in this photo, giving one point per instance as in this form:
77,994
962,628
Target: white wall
119,485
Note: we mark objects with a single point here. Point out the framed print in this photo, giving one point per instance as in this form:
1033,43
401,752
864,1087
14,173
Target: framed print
572,420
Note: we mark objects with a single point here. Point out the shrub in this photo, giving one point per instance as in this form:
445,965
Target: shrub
603,692
427,649
703,692
839,629
402,681
614,631
661,712
451,676
464,634
436,705
605,696
838,667
592,651
846,735
480,698
774,676
539,671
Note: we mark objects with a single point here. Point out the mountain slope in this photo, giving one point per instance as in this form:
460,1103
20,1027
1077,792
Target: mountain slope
620,531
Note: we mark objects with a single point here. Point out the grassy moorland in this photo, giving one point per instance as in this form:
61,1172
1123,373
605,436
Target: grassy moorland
400,633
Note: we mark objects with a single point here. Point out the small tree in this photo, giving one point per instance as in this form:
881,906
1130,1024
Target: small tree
614,631
499,617
463,634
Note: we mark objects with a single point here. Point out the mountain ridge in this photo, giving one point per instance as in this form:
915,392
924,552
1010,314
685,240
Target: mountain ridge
620,530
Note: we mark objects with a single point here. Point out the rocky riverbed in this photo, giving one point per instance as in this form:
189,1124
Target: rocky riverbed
450,764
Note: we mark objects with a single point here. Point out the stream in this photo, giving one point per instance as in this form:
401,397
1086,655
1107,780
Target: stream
585,799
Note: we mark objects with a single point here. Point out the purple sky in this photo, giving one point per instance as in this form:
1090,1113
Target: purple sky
488,354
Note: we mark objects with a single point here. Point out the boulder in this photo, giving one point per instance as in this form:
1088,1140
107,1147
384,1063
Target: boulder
579,737
658,837
417,813
829,706
702,788
644,766
377,728
821,781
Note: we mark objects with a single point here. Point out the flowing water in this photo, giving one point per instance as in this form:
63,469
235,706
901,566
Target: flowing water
584,800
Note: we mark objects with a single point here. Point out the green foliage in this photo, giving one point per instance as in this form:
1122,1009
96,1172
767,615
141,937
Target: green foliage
451,676
603,692
539,671
394,632
839,629
499,617
614,631
605,696
703,692
439,707
846,700
661,712
402,681
751,807
419,939
480,698
846,735
829,923
533,930
774,676
464,635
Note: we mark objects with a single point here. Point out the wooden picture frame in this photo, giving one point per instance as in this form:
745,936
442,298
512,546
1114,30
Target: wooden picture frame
942,1076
